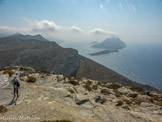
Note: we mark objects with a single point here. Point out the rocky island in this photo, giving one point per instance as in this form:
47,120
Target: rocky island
110,45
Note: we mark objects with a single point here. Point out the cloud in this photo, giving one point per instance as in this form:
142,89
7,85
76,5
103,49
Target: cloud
44,25
52,31
75,29
101,6
131,7
99,31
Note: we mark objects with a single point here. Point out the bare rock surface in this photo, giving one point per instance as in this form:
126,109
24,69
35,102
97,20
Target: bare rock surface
57,97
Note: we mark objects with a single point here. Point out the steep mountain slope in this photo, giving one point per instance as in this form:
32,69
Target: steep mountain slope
41,55
49,56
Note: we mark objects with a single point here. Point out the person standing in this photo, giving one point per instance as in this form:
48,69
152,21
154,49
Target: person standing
16,86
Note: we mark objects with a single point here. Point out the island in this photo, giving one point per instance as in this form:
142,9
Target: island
110,45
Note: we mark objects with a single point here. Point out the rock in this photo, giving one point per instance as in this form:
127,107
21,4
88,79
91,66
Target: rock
133,95
85,103
126,107
125,91
59,94
100,100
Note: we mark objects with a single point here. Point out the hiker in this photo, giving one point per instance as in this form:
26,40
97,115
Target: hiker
16,85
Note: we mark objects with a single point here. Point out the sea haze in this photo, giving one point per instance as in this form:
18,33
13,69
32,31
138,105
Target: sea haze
141,63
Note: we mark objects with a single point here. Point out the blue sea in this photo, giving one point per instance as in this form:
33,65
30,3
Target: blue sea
138,62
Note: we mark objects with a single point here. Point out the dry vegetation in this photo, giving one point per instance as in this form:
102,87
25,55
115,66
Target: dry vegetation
119,103
73,82
105,92
71,91
9,72
135,89
31,79
3,109
113,86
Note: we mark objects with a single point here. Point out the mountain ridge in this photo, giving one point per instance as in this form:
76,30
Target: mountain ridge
49,56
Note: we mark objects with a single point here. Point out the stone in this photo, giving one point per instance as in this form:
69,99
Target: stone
100,100
85,103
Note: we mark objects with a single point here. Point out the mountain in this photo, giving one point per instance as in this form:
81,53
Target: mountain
20,50
54,98
26,37
113,43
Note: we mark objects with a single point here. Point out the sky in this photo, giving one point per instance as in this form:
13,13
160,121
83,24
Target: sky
84,20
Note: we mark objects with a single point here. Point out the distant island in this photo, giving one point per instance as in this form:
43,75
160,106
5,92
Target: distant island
110,45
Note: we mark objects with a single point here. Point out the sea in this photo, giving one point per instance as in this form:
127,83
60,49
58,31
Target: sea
138,62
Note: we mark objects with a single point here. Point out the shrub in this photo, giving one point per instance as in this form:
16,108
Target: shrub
89,82
71,91
119,103
94,87
105,92
135,89
103,84
88,87
138,101
133,95
113,86
3,109
9,72
159,103
117,93
73,82
31,79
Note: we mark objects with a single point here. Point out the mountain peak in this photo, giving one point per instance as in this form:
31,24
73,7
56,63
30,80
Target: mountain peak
26,37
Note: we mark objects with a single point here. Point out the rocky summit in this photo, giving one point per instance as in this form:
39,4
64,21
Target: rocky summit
46,96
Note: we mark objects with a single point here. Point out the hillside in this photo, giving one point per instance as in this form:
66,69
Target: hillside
57,97
49,56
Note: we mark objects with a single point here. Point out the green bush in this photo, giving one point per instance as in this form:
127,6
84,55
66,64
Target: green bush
31,79
9,72
3,109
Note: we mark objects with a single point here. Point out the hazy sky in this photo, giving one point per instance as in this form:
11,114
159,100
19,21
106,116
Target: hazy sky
84,20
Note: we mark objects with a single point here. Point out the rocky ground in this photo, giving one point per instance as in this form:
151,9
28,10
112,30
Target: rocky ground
57,97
